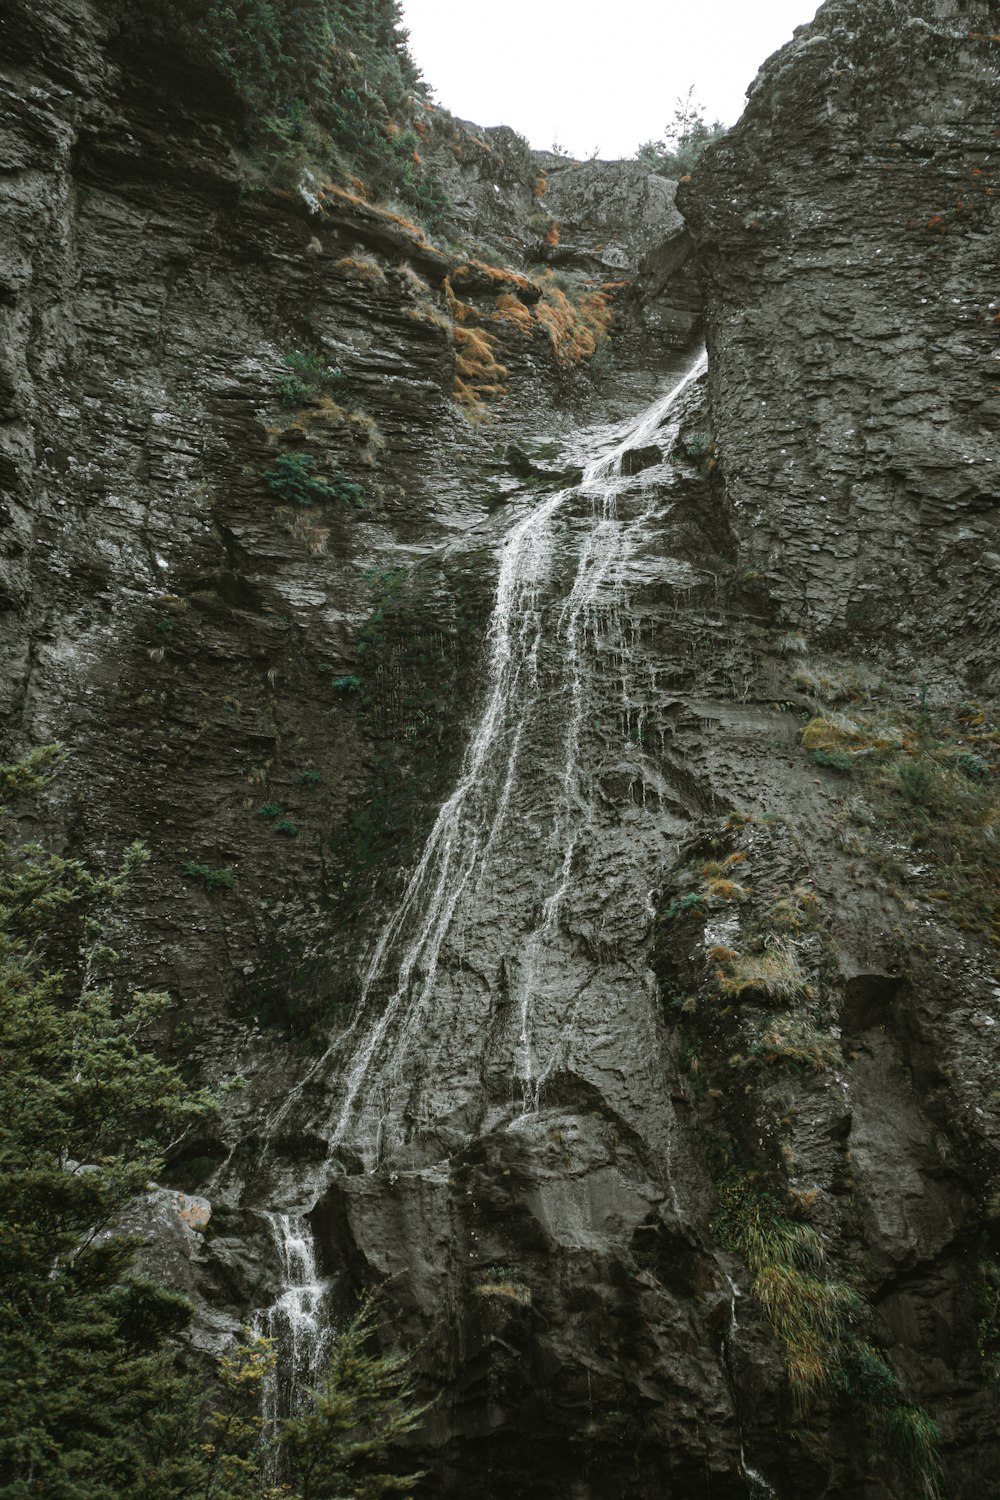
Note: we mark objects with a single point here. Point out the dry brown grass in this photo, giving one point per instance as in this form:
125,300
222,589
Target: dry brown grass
774,973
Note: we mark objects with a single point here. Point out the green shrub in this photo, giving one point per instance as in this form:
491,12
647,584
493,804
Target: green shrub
834,760
212,880
310,778
288,828
293,480
973,767
309,375
270,810
862,1373
683,903
684,141
348,684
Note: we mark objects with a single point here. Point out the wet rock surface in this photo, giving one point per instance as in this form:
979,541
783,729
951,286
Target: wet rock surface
490,1062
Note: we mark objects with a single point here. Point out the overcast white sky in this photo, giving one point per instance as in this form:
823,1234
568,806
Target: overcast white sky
595,75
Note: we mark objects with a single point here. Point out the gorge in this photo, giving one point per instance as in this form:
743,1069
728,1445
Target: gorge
567,759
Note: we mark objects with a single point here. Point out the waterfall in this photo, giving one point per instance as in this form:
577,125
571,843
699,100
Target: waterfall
499,870
444,892
294,1320
758,1486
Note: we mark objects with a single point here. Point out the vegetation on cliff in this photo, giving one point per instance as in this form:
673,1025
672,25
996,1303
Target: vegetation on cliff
95,1400
686,137
328,85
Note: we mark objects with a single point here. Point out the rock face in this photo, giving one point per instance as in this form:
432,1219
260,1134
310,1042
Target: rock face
844,231
484,843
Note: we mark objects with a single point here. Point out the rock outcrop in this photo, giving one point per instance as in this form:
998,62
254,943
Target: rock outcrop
846,231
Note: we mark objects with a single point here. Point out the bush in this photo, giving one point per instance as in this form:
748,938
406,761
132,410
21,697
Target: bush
308,377
212,880
294,480
327,85
92,1403
685,140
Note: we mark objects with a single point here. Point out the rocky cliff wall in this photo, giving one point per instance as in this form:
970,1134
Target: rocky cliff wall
846,232
535,1039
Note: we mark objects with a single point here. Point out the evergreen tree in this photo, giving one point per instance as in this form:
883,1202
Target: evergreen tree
684,141
337,1447
87,1384
93,1402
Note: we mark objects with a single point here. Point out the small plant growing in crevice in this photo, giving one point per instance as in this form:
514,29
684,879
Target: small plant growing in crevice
270,810
310,778
348,684
213,880
294,480
308,377
504,1281
288,828
698,445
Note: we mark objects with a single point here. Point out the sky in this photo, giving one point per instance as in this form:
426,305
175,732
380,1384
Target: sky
595,76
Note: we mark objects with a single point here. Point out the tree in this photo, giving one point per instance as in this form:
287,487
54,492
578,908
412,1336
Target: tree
337,1447
94,1401
87,1381
685,139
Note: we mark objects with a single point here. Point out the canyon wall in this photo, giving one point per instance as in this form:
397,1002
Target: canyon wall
529,831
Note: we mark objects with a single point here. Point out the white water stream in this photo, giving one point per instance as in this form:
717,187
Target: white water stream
472,833
295,1319
470,825
759,1487
560,624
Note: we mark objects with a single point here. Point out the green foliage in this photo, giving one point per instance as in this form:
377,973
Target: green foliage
91,1404
337,1447
327,85
973,767
288,828
270,810
809,1313
293,480
348,684
683,903
309,376
834,760
863,1374
815,1318
233,1446
914,1437
213,880
697,445
310,778
684,140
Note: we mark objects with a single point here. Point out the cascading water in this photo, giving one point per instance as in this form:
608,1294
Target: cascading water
295,1319
476,841
758,1486
495,975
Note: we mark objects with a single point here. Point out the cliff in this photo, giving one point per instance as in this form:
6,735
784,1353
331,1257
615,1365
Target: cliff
569,776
